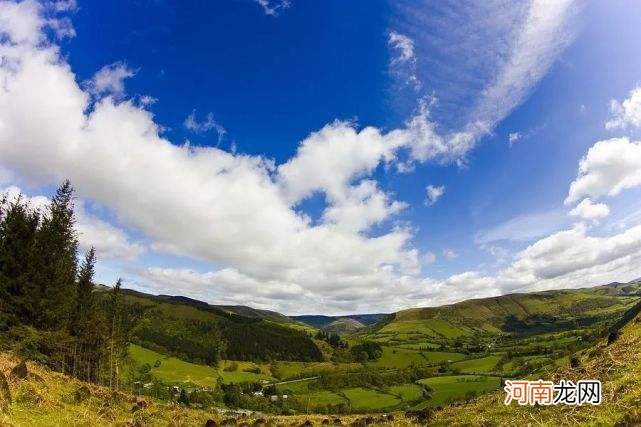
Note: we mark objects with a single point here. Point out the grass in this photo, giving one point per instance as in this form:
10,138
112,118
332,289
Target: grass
368,399
615,365
482,365
407,392
398,358
176,371
322,398
447,389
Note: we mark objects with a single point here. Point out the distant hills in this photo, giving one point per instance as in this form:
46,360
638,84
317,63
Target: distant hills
349,323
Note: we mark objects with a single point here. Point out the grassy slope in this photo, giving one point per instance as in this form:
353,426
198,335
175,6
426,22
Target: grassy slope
617,366
176,371
47,401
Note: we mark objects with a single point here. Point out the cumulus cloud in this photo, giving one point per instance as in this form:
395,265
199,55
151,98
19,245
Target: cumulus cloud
191,123
230,209
626,114
590,211
240,212
108,240
566,259
434,192
608,168
110,79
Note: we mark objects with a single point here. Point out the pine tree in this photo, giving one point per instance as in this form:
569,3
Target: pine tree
84,295
18,227
87,324
114,318
56,264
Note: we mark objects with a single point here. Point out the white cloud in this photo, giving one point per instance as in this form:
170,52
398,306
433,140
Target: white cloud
626,114
566,259
192,124
590,211
434,193
542,36
403,45
514,137
232,210
608,168
508,47
110,79
273,7
403,63
523,228
109,241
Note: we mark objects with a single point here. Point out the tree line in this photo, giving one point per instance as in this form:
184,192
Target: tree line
50,310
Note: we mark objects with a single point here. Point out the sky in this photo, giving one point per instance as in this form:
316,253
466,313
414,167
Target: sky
332,157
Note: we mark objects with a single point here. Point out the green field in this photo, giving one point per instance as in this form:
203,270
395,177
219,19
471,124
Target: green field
398,358
176,371
450,388
368,399
482,365
407,392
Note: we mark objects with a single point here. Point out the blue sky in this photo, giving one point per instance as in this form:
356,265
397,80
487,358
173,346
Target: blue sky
333,156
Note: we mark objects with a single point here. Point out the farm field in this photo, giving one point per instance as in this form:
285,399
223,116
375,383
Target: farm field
369,399
482,365
455,387
407,392
175,371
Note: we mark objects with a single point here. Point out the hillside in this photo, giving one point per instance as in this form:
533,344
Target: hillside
47,398
616,365
509,315
344,325
198,332
321,322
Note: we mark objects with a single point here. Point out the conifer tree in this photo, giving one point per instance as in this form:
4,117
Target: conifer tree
18,227
55,263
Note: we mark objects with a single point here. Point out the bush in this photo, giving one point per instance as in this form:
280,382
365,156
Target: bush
232,367
368,350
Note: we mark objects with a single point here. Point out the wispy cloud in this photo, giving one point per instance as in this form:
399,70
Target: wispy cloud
209,123
273,8
524,227
493,52
403,62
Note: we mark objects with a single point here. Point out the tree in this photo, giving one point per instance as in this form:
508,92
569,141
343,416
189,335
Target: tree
84,294
55,263
18,228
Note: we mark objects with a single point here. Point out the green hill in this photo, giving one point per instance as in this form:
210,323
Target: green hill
520,315
202,333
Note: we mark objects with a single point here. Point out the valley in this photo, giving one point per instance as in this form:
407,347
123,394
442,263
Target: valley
427,357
